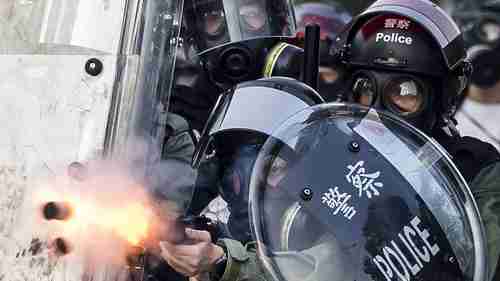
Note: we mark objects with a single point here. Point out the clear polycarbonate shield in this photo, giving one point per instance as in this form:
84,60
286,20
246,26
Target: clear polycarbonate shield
81,80
59,26
342,192
219,22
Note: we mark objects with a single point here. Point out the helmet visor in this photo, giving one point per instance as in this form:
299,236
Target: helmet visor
221,22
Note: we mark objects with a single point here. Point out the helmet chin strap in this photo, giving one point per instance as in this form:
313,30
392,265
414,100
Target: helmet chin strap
447,122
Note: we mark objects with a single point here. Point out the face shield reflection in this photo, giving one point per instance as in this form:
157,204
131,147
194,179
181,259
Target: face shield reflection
405,95
61,26
209,16
214,23
253,16
218,22
277,172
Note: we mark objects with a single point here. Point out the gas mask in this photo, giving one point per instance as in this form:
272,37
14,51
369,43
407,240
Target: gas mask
405,95
236,169
479,22
194,94
234,37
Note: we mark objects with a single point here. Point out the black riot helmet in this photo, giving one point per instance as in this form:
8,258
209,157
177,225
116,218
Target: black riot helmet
407,57
239,125
480,24
250,111
233,37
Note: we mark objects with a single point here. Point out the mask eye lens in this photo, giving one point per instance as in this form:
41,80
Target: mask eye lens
253,16
489,31
405,95
364,91
214,22
231,184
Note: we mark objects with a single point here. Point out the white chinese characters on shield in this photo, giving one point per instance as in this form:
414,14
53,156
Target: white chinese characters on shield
339,203
364,182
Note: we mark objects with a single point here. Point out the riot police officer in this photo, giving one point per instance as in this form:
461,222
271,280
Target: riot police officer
416,69
238,126
222,43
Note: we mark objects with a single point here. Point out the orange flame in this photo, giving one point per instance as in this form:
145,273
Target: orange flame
130,222
127,219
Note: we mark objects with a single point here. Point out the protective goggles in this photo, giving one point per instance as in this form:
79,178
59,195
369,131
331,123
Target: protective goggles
405,94
252,17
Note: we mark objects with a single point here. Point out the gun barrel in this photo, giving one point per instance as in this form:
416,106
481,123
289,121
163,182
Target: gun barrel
56,211
61,247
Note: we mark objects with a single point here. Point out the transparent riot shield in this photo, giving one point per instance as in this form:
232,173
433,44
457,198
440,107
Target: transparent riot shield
80,80
342,192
